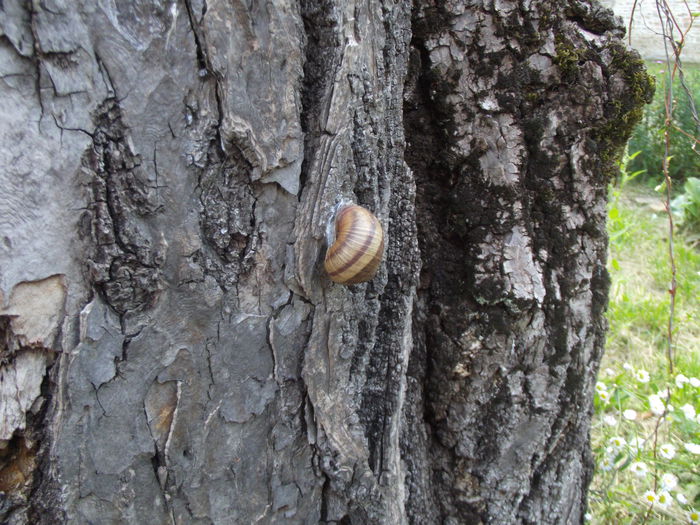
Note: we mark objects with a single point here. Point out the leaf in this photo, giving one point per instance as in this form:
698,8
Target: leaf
615,265
626,463
614,213
692,187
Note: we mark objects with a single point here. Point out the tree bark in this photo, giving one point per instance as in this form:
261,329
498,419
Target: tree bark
172,351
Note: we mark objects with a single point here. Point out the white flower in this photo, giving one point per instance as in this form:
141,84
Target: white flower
600,387
630,414
688,410
650,497
667,451
588,516
681,380
681,498
639,469
636,443
668,481
617,442
604,396
663,499
642,375
693,516
693,448
607,463
609,372
611,452
627,366
694,381
663,394
609,419
656,405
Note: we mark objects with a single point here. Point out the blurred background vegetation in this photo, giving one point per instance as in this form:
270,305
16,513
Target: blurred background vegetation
648,137
646,429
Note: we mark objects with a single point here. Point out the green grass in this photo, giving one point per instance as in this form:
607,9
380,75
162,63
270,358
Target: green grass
648,137
640,272
635,369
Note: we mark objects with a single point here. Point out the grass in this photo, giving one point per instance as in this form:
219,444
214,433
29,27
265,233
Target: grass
632,437
640,271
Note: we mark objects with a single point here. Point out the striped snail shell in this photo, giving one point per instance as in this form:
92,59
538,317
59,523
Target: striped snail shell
357,250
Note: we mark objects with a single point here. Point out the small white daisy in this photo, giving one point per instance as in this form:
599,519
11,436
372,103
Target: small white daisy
639,469
636,444
606,464
630,414
617,442
627,366
600,387
694,381
656,405
688,411
642,376
663,499
693,448
693,516
667,451
604,396
609,372
681,380
610,420
681,498
649,497
669,481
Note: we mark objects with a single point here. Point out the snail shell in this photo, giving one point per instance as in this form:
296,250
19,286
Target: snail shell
357,250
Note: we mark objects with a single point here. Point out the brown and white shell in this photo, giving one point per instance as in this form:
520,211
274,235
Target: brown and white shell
357,251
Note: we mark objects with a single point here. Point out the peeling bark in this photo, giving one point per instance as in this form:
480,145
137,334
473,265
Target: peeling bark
171,349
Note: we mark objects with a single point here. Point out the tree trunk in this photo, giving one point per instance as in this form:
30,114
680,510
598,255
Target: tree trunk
172,351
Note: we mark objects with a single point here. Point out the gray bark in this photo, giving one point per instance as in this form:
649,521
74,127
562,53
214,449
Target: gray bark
172,351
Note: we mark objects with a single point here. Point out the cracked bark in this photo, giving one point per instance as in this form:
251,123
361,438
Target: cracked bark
171,350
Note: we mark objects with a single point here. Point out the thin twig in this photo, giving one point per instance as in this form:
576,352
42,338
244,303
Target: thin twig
629,26
672,50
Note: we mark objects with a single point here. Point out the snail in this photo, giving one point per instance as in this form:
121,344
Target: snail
356,253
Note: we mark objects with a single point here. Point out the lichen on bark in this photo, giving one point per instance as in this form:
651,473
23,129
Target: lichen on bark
513,118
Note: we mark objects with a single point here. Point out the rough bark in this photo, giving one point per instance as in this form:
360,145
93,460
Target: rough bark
514,115
171,349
